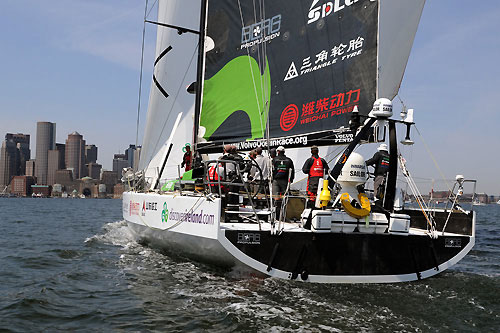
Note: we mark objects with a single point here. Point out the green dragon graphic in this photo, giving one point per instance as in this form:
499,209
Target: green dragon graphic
237,86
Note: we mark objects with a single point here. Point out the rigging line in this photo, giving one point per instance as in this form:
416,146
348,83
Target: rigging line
433,159
249,61
264,47
152,6
261,61
175,98
140,76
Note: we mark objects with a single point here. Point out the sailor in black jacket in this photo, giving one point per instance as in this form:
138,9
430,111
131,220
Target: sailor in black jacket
380,161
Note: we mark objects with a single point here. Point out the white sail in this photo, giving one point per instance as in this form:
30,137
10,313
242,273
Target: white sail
397,28
174,72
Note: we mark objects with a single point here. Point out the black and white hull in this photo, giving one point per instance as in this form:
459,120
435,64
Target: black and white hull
346,252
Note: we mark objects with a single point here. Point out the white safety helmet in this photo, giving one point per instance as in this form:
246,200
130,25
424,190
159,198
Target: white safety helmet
382,146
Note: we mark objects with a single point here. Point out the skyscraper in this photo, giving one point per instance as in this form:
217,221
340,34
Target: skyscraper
22,142
119,162
91,154
30,168
15,151
56,162
45,141
130,152
75,155
8,155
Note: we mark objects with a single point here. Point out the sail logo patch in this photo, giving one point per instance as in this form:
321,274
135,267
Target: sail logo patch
292,72
329,107
327,8
260,32
289,117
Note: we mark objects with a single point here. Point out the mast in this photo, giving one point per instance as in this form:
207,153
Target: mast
200,73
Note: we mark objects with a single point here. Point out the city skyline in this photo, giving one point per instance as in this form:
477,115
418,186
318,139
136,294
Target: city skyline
86,62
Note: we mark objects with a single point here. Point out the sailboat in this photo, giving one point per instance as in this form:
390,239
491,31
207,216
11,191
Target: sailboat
295,74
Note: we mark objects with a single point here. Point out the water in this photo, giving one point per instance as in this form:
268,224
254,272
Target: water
72,265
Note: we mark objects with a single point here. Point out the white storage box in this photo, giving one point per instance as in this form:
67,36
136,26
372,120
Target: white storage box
342,222
321,221
399,224
377,224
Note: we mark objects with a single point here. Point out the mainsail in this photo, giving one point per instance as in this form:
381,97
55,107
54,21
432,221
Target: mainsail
290,72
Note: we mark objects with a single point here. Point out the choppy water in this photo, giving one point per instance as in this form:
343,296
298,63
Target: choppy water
72,265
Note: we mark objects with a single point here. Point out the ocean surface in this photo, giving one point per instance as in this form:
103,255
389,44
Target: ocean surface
72,265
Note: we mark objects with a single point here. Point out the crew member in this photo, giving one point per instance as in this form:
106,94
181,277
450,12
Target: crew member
187,158
283,173
272,153
263,175
232,175
315,167
380,161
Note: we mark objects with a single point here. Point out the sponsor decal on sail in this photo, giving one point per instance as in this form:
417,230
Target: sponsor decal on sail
323,108
327,58
260,32
321,9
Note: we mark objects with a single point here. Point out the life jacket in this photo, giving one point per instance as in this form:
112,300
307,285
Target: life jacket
213,176
317,168
187,161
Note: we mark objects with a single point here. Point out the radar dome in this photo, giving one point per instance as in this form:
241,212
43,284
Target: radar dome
382,108
354,171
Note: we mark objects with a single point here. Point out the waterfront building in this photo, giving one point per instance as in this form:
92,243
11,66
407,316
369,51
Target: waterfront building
21,185
75,155
45,141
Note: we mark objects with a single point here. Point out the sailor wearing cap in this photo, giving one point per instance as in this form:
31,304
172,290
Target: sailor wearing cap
315,168
380,161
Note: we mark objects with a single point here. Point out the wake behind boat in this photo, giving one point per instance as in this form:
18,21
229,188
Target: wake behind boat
295,75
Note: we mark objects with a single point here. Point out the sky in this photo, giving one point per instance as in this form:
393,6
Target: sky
77,63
